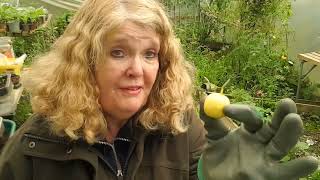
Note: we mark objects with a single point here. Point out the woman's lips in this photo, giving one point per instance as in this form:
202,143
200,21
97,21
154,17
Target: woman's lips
133,91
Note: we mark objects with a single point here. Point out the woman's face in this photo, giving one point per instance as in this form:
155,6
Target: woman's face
129,72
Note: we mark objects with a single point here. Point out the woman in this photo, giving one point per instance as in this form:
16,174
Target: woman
113,100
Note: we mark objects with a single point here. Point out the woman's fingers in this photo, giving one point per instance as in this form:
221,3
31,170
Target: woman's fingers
216,128
286,137
244,114
296,168
284,107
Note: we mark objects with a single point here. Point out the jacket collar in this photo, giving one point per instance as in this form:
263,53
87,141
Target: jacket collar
38,141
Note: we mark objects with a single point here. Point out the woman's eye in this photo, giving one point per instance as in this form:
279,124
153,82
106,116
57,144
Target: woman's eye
151,54
117,53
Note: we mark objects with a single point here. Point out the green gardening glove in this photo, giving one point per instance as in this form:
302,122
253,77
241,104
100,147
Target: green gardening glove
254,150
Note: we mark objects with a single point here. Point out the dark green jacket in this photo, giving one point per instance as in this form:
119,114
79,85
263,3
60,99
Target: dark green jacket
33,154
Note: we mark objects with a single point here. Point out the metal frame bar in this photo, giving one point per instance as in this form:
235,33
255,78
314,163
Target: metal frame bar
305,75
302,77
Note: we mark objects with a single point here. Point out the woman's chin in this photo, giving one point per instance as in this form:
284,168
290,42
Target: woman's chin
123,110
131,110
128,110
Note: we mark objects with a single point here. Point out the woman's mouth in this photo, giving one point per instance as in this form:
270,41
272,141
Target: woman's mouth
132,90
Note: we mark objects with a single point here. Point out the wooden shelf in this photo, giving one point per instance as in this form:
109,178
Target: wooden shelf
313,58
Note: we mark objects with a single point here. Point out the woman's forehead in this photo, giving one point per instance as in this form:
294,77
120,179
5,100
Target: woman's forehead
132,31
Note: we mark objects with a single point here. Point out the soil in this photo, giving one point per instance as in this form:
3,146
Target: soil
315,137
312,132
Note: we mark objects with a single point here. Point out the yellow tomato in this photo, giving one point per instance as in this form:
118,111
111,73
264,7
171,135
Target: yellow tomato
214,104
284,57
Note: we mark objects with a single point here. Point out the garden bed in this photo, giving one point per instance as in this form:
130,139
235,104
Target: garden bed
308,106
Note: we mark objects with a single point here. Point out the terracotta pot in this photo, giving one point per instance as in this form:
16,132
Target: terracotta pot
33,26
3,27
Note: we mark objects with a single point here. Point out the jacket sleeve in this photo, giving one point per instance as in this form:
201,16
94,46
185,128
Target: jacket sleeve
13,164
197,143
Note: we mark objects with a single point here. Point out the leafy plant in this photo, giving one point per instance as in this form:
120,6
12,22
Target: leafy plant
39,41
62,22
314,176
3,14
9,13
24,109
310,91
25,14
36,14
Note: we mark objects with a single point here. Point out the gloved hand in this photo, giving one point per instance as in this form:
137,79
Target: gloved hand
254,150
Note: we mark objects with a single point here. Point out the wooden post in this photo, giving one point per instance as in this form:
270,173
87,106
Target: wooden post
174,11
199,10
179,13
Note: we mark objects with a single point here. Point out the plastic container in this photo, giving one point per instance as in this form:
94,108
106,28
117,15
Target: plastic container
11,65
8,62
10,127
1,128
6,47
5,84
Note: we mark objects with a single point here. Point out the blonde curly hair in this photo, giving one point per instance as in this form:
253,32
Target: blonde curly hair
62,81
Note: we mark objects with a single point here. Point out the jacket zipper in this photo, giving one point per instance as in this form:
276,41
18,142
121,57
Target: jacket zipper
126,162
119,169
131,148
119,172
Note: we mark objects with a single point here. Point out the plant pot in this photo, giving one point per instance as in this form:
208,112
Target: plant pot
46,17
5,84
15,79
10,127
14,27
3,27
25,27
33,26
42,19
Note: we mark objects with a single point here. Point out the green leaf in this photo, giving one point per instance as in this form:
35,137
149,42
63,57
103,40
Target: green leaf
286,158
302,146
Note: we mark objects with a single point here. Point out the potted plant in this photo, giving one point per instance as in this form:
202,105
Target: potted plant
3,24
41,14
25,21
5,84
46,14
33,17
37,17
13,19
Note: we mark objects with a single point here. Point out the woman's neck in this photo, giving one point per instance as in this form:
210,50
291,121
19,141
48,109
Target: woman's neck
113,127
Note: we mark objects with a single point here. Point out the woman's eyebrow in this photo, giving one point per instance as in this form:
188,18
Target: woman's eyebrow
154,43
119,41
125,41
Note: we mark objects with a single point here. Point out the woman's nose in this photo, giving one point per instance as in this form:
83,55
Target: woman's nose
135,67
